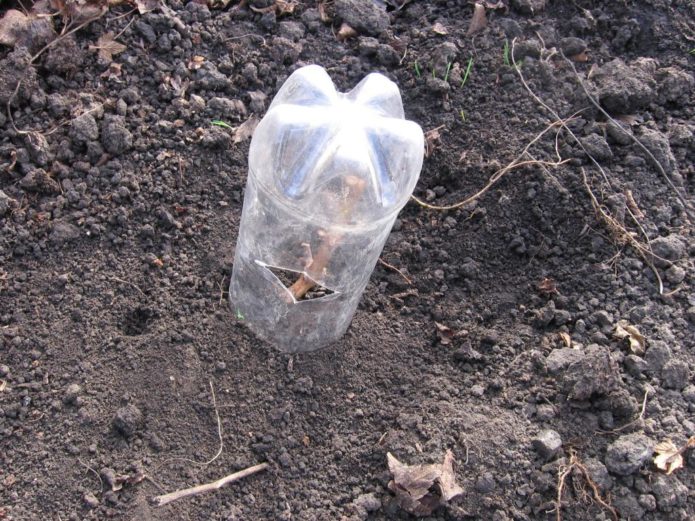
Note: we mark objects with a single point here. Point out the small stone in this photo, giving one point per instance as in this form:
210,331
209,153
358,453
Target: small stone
647,501
628,453
670,248
599,473
365,16
84,128
628,506
597,147
128,420
64,232
562,317
675,274
369,502
6,203
90,500
618,133
560,359
304,384
38,180
688,393
547,443
572,46
115,137
594,374
545,412
675,374
227,108
669,491
657,355
623,89
477,390
529,6
72,392
485,483
635,365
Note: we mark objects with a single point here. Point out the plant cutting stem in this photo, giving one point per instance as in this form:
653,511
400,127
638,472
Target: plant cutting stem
328,241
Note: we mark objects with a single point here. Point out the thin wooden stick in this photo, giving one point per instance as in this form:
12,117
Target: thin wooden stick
354,186
207,487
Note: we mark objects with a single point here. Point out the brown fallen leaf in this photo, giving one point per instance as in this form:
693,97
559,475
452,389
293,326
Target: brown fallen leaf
629,333
439,28
128,479
547,286
323,13
420,489
245,130
478,21
566,339
107,47
444,333
668,458
196,62
346,32
78,11
432,140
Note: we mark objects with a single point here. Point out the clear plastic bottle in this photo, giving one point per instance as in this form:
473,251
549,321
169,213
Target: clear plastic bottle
328,174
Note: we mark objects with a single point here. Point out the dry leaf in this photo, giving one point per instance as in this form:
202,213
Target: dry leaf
245,130
547,286
636,342
77,11
323,14
346,32
129,479
420,489
444,333
107,47
432,138
668,457
196,62
12,26
566,339
478,21
438,28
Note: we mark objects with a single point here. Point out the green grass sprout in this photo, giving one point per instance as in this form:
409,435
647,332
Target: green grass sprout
506,53
418,73
467,73
220,123
448,69
463,115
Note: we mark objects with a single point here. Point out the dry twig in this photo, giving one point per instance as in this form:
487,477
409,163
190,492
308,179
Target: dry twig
207,487
516,163
392,267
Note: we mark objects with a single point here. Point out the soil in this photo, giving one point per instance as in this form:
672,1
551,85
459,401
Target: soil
119,211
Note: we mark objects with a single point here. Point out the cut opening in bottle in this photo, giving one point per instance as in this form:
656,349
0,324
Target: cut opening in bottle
299,284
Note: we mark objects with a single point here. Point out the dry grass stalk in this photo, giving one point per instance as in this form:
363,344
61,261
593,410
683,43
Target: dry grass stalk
499,174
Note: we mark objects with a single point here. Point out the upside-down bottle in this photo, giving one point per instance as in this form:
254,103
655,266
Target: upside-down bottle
328,174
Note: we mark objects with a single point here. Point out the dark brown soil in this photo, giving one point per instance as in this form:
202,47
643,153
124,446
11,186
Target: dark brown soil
118,218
